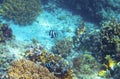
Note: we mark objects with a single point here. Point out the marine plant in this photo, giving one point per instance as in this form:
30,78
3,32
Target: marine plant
22,12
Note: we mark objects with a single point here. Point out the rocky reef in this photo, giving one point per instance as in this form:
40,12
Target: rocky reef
21,12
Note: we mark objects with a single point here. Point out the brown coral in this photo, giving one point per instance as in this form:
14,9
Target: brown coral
26,69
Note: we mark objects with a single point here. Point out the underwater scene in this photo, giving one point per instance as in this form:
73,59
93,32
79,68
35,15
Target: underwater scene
59,39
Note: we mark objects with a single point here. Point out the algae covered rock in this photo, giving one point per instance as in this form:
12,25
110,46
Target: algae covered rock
22,12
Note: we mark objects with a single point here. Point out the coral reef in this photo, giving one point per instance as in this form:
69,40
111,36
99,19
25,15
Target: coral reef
86,39
68,75
54,63
62,47
5,32
5,58
85,64
108,68
105,41
28,70
110,38
22,12
116,72
94,10
104,45
9,51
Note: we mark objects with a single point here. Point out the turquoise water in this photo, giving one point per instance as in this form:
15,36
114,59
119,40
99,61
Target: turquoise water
73,39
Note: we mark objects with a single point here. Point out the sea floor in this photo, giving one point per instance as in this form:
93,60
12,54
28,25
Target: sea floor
62,21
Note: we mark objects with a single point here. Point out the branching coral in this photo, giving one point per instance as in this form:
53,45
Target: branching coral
110,38
25,69
22,12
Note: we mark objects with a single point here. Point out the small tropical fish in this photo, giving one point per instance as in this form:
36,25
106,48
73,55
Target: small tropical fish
81,29
104,73
111,63
49,66
52,34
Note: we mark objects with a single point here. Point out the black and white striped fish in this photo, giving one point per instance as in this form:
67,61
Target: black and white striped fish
52,34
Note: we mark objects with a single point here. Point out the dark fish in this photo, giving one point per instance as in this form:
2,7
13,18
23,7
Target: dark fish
52,34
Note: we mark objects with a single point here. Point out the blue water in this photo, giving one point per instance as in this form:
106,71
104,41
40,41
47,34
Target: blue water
75,42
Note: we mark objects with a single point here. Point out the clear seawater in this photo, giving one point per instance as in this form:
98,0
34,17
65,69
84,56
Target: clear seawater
63,17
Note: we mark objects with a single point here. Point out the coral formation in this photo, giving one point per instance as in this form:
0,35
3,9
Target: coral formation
27,69
22,12
5,32
110,70
68,75
53,62
85,64
104,42
116,73
110,38
104,45
9,51
86,39
62,47
4,59
94,10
